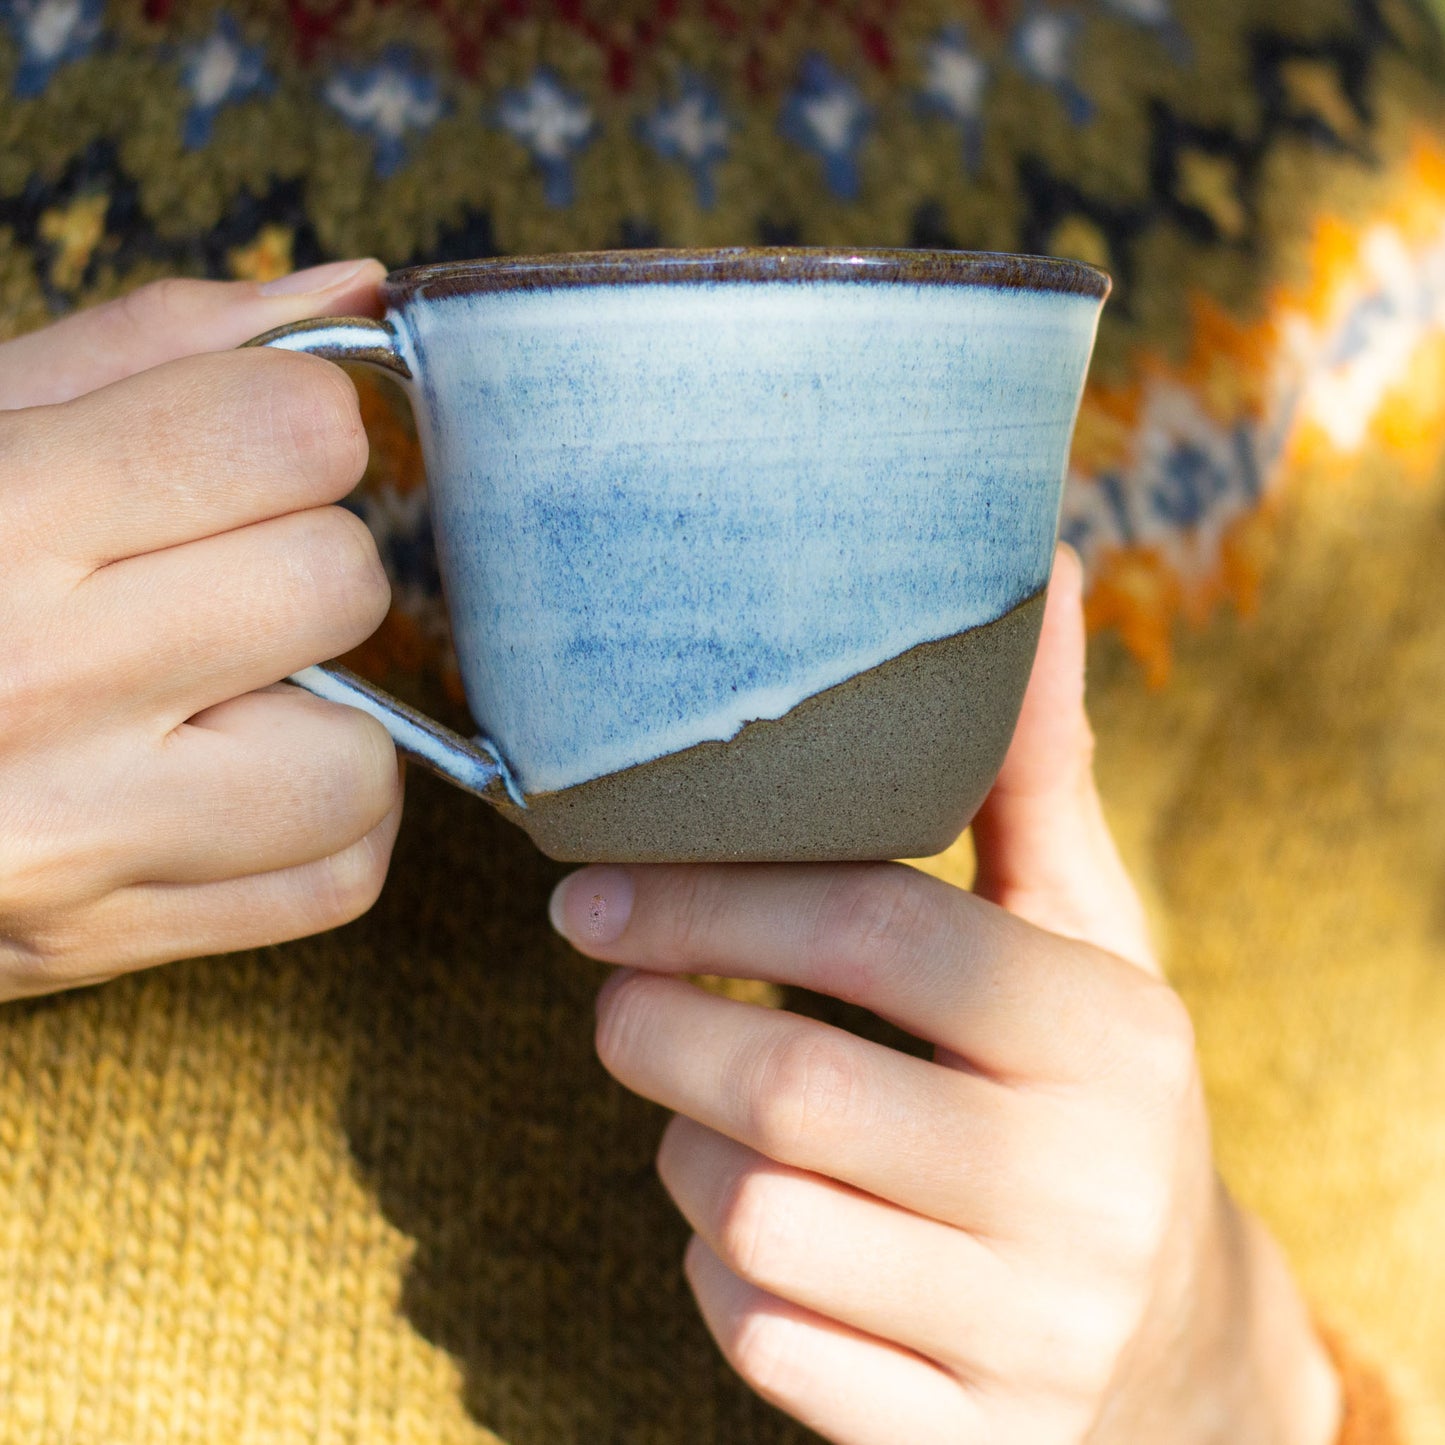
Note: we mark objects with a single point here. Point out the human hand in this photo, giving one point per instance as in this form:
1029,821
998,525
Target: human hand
167,553
1022,1240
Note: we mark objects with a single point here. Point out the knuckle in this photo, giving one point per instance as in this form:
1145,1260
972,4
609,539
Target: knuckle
351,881
343,776
1127,1211
310,416
688,920
876,922
54,863
28,972
751,1228
1143,1045
803,1092
1142,1224
32,888
1162,1043
765,1353
157,303
369,777
39,955
622,1020
1085,1342
341,573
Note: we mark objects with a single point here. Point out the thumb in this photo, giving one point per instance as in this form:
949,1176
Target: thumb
1044,849
169,319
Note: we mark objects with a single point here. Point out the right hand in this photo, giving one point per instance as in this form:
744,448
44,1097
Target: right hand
168,553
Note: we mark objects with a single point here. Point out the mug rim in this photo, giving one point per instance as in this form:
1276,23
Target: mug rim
734,264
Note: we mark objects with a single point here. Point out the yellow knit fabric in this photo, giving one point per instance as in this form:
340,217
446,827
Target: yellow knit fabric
1286,805
373,1187
1282,804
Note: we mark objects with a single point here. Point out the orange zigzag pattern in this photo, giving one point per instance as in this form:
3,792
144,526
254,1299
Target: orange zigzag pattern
1288,374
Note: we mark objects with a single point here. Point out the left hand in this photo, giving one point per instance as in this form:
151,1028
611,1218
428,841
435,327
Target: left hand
1023,1240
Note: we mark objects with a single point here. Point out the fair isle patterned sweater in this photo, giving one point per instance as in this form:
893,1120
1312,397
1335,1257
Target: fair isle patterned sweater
1265,181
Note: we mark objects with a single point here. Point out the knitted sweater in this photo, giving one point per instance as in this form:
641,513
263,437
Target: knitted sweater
373,1186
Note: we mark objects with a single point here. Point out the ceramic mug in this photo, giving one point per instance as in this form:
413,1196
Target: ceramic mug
744,550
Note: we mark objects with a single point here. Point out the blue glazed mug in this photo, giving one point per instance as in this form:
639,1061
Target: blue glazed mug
744,550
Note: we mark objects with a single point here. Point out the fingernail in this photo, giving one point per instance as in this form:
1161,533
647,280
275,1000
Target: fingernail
591,907
314,278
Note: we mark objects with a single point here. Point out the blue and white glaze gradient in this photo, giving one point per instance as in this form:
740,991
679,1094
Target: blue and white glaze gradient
666,511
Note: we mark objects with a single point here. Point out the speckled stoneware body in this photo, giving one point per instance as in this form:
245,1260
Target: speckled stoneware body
744,551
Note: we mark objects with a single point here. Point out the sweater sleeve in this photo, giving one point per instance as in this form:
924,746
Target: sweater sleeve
1369,1414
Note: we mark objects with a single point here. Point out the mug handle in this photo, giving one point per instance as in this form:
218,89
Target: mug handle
476,766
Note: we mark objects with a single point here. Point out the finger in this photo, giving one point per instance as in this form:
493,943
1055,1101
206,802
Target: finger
193,626
268,781
941,1142
1044,849
860,1261
850,1388
1013,1000
190,449
155,923
168,319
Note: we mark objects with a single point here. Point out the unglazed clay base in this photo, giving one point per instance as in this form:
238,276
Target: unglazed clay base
892,763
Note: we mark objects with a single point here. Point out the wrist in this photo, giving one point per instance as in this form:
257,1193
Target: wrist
1234,1359
1287,1374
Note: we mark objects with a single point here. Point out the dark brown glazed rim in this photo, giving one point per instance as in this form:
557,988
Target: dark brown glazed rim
746,263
